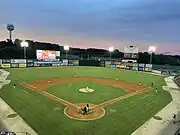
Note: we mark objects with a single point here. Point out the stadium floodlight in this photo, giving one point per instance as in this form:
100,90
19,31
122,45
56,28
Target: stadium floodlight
66,48
24,44
151,49
111,49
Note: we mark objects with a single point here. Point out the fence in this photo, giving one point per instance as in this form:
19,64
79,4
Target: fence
23,133
24,63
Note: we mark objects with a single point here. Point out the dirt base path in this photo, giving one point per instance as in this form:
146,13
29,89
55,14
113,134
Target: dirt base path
72,109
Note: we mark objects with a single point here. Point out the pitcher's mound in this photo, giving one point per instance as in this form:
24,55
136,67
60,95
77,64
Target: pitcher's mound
94,114
86,90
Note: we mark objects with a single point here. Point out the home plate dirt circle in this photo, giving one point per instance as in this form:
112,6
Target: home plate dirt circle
74,113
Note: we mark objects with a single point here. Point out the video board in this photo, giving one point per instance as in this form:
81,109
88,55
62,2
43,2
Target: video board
46,55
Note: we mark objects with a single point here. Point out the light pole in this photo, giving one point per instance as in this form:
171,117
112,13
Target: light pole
66,48
151,49
111,49
24,44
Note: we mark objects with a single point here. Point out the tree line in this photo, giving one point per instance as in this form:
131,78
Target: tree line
13,50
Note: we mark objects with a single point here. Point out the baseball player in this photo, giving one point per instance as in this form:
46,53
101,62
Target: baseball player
14,86
152,84
156,90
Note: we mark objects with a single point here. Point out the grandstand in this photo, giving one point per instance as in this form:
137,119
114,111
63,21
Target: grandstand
177,80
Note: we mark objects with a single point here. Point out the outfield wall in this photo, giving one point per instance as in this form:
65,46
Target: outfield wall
24,63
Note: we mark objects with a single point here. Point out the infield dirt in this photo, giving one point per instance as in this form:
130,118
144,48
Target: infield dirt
40,85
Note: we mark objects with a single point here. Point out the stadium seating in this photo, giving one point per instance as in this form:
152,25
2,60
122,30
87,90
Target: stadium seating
177,80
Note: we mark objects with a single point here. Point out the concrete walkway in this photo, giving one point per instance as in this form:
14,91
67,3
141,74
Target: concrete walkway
16,124
166,125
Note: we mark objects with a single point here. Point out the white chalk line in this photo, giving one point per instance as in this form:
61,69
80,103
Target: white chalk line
46,93
30,85
67,102
84,119
121,97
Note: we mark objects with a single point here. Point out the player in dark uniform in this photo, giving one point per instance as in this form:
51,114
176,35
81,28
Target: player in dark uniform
174,117
14,85
152,84
84,111
156,90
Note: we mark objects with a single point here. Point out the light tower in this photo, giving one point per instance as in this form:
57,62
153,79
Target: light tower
111,49
24,44
151,49
10,28
66,48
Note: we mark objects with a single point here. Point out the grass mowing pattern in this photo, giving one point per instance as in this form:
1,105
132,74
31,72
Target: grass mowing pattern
71,93
40,113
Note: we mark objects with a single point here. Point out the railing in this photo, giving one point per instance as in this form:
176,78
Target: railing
177,80
24,133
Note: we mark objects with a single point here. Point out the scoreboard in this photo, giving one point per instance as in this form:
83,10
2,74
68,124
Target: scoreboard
131,55
131,52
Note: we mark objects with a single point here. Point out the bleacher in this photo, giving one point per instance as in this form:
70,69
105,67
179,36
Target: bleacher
177,80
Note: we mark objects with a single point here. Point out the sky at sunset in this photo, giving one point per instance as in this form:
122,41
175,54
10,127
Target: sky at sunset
95,23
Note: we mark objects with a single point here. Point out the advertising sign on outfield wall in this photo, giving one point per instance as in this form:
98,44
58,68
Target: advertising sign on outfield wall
121,66
116,62
156,71
37,65
19,61
75,62
5,65
141,65
141,68
30,64
129,64
135,64
113,66
107,62
148,69
65,62
149,65
135,68
15,65
30,61
108,65
22,65
55,65
6,61
102,64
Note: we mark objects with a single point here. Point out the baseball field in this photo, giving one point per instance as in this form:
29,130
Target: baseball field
50,99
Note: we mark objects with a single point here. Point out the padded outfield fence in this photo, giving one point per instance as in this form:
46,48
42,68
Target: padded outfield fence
25,63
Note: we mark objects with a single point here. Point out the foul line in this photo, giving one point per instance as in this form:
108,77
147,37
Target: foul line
62,101
112,101
31,86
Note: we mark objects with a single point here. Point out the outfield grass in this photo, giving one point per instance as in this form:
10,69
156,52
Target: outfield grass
71,93
121,118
